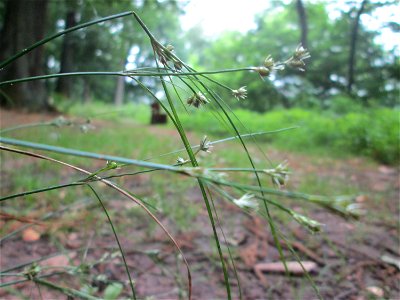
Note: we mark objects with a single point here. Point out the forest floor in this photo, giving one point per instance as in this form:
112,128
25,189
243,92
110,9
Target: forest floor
350,259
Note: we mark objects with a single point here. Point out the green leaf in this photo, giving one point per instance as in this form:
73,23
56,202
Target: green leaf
113,290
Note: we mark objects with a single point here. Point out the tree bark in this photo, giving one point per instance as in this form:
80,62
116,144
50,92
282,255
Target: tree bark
120,87
301,12
64,84
24,24
87,95
119,91
353,45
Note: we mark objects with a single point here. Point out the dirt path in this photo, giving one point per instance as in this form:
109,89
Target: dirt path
353,259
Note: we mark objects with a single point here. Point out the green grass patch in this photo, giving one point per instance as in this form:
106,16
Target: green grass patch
372,133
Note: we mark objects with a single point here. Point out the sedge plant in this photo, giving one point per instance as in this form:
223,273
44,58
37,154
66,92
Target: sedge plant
185,89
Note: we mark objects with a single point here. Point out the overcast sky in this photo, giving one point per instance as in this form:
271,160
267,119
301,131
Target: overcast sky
216,16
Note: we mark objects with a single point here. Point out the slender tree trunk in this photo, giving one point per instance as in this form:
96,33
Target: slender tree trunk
120,86
119,91
353,45
24,24
303,22
87,95
64,84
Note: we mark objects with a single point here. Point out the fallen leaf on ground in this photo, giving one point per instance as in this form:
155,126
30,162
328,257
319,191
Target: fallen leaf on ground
56,261
30,235
377,291
361,198
73,241
386,170
294,267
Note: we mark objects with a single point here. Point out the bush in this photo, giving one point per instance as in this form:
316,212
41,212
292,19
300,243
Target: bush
370,132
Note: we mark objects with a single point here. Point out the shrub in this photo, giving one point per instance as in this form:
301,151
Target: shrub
373,133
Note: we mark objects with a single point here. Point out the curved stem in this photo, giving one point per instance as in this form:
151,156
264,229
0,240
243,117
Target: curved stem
130,74
118,189
25,126
117,239
73,152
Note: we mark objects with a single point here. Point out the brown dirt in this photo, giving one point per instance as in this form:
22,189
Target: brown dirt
348,253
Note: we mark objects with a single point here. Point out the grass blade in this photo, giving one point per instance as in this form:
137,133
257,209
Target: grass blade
117,239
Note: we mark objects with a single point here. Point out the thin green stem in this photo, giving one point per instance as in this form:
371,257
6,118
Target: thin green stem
65,290
270,221
130,74
227,139
41,77
2,285
117,239
201,185
180,74
24,126
49,188
135,199
45,217
73,152
11,274
227,245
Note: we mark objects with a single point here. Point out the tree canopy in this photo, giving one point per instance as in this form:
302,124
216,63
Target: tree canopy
345,57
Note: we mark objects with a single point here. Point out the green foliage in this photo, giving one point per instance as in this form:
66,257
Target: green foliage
102,111
373,132
277,32
346,128
107,46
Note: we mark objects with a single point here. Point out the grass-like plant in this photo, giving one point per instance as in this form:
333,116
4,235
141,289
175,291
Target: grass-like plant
183,87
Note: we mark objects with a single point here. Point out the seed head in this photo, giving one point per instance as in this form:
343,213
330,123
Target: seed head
279,174
60,121
180,161
297,60
32,271
197,99
240,93
347,206
269,62
263,71
247,201
312,225
112,164
178,65
163,59
301,53
205,145
170,48
269,66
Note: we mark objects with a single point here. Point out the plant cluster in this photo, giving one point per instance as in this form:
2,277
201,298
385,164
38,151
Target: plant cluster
179,82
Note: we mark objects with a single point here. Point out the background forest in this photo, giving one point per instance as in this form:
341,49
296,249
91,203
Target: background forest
351,70
348,59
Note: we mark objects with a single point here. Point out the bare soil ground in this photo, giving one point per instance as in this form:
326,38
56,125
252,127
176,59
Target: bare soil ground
353,259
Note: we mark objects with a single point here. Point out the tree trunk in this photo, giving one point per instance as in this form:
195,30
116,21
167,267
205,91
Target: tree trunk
119,91
303,22
24,24
64,84
353,45
120,86
87,95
